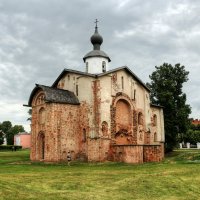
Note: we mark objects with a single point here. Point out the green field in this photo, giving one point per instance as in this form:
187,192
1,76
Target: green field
177,177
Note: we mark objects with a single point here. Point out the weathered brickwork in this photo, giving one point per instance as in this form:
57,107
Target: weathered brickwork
105,120
61,131
127,153
96,105
152,153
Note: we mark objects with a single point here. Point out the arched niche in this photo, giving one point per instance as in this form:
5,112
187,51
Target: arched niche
141,132
39,99
123,115
128,119
140,119
42,116
41,145
122,96
155,137
104,128
154,120
84,136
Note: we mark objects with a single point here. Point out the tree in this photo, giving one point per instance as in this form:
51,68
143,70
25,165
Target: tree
30,114
5,128
9,131
1,136
166,90
192,136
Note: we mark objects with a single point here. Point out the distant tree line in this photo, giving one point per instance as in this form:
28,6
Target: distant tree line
7,130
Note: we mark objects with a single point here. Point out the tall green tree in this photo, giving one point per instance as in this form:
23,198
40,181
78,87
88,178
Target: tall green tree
166,89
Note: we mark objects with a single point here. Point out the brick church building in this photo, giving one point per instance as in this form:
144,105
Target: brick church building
97,115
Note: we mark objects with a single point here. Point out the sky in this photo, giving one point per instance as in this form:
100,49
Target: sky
39,38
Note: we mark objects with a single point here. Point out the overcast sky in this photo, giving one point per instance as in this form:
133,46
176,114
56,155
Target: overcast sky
39,38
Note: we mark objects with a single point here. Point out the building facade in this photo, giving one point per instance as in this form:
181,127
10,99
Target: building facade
97,115
195,122
23,139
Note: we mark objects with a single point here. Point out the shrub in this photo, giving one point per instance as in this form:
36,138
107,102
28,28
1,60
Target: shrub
192,136
10,147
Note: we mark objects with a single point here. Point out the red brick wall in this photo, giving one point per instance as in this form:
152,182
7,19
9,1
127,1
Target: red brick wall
153,153
93,150
196,122
136,153
127,153
63,130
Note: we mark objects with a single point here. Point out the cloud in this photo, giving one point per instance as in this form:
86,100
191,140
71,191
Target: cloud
40,38
14,111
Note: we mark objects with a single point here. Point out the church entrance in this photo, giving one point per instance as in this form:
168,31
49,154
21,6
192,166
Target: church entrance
41,146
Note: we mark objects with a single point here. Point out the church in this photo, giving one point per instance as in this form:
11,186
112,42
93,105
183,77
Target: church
97,115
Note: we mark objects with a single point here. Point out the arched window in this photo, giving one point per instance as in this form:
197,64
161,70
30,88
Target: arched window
103,66
155,137
41,145
42,116
76,89
104,128
154,120
140,119
122,80
84,135
87,67
134,96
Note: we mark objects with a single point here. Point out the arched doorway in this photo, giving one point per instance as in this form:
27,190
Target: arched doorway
41,146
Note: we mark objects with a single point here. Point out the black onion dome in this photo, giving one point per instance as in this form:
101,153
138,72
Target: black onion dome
96,38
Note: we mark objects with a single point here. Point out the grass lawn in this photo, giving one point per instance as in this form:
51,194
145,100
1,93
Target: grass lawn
177,177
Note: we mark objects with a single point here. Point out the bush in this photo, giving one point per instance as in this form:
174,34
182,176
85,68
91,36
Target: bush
10,147
192,136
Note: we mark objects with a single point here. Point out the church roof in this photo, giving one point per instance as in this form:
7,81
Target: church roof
55,95
96,53
65,71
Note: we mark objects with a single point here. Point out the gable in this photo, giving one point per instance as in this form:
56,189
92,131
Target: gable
69,71
129,72
125,68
